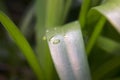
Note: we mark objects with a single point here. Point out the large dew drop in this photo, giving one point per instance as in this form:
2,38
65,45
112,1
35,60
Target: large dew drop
44,38
54,40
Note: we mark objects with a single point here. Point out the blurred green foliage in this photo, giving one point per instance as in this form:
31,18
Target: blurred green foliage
99,20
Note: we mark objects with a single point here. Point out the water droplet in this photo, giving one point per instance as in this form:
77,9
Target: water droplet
76,22
44,38
55,40
55,28
47,30
65,36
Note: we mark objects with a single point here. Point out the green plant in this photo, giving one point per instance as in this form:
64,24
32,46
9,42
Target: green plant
60,46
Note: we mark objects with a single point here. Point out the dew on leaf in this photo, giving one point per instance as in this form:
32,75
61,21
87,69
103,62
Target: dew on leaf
54,40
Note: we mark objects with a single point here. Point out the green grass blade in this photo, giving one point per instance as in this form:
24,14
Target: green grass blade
3,7
106,68
96,2
86,6
57,15
66,9
41,42
116,78
26,20
54,15
108,45
50,13
95,34
84,10
68,53
22,44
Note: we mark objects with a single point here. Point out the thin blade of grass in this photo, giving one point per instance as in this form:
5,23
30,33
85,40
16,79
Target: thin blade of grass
84,10
22,44
66,9
95,34
26,20
106,68
108,45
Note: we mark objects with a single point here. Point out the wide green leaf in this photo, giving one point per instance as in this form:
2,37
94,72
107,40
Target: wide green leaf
42,49
48,15
95,22
110,9
68,53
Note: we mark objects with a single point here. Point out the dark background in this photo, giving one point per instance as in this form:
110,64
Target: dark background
13,65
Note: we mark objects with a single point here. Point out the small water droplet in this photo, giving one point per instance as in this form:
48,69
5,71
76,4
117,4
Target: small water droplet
65,36
47,30
44,38
55,40
76,22
55,28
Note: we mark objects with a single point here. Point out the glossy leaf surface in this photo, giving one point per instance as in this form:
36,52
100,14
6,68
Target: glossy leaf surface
68,53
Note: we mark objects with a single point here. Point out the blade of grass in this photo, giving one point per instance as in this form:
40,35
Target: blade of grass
22,44
57,15
41,42
66,9
3,7
106,68
108,45
54,15
96,2
98,28
116,78
83,12
27,18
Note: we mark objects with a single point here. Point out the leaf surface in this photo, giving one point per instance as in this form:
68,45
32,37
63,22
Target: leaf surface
68,53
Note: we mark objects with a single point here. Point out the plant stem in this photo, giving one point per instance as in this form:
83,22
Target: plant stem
22,43
108,45
66,10
27,18
83,12
95,34
106,68
45,18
